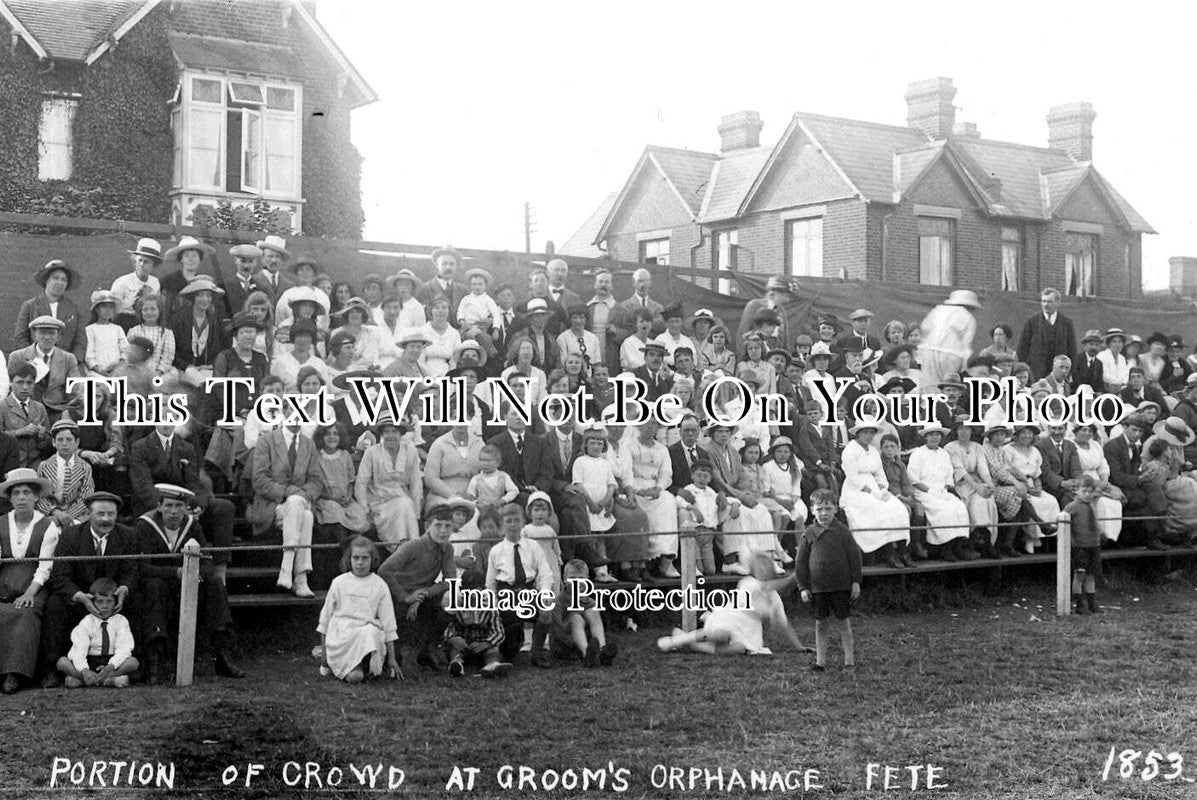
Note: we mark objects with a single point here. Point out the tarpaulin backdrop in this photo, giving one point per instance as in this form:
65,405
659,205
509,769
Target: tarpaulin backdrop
101,259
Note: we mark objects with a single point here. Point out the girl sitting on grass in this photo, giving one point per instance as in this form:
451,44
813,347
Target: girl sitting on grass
357,623
735,631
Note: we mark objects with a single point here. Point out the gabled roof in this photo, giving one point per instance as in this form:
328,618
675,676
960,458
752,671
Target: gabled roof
685,172
71,30
731,179
863,151
582,242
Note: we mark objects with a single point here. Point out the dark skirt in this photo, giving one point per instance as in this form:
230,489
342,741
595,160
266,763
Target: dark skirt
634,546
20,632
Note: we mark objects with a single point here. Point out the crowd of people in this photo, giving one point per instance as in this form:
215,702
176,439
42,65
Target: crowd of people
521,503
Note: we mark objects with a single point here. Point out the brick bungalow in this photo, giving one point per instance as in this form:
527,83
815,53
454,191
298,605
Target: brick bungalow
932,203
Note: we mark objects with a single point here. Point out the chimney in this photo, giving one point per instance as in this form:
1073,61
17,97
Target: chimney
929,107
740,131
966,130
1184,275
1070,128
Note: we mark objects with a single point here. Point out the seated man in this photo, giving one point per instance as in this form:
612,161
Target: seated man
52,364
287,480
68,601
412,573
1143,498
169,529
517,564
1061,464
166,457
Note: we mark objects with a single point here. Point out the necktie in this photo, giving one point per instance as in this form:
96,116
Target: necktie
46,358
60,479
293,450
566,450
105,642
521,575
519,443
101,543
693,455
582,348
508,316
25,407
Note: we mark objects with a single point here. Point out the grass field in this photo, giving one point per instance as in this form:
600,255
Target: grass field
1009,702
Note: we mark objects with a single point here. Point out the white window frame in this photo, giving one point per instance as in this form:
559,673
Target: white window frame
56,153
1012,251
948,253
251,108
811,265
1080,273
727,242
655,244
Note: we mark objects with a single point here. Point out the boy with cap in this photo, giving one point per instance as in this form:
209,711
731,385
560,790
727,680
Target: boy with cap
127,288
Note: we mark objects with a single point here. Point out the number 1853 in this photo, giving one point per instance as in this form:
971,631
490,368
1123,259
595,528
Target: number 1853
1126,765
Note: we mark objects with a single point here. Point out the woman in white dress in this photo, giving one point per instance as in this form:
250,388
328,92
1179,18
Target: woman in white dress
1026,462
390,483
629,552
932,475
652,473
875,517
443,340
1107,508
974,485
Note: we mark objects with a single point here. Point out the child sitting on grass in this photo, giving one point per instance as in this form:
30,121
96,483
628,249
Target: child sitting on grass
357,623
492,487
101,651
704,514
1086,546
579,633
828,568
473,637
735,631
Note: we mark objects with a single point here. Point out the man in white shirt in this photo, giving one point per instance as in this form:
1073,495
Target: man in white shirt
127,288
518,564
601,307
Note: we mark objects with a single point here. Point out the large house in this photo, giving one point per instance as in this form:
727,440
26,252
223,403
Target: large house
160,106
931,202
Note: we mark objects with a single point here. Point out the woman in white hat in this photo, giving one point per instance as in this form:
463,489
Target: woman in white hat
1115,366
933,477
390,483
190,254
947,336
356,321
198,337
875,517
128,287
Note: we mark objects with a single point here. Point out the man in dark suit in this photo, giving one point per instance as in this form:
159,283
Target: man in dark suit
538,291
505,328
272,279
1059,380
558,271
779,298
815,445
1086,367
166,457
56,279
684,453
1061,464
244,281
1124,455
623,317
1137,390
1046,335
68,600
447,261
657,378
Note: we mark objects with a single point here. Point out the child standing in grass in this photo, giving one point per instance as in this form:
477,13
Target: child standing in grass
579,632
1086,546
828,567
357,623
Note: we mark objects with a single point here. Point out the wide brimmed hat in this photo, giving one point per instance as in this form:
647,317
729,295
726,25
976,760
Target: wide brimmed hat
1155,337
963,297
307,294
897,382
245,320
149,248
447,250
863,425
43,274
305,258
342,381
276,243
403,275
952,380
100,297
466,346
870,358
779,441
1027,426
412,337
440,511
461,369
1175,431
189,243
481,273
933,427
998,426
1134,338
386,420
1191,381
202,283
245,251
46,321
702,314
1114,333
1177,341
673,310
458,501
356,303
779,283
861,313
1091,335
819,350
23,476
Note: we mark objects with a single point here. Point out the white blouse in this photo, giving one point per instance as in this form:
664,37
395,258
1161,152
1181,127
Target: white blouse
20,537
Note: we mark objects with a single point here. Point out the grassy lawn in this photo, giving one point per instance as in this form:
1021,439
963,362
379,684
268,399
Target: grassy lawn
1009,702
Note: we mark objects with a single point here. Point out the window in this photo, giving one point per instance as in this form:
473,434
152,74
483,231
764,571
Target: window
1080,255
804,247
655,251
1011,259
935,251
726,256
237,136
56,139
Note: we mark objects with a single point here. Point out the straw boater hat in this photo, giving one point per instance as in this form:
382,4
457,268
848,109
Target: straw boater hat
202,283
963,297
189,243
656,347
23,476
360,305
1175,431
275,243
1091,335
467,346
779,284
863,425
952,380
385,420
933,427
308,294
536,305
702,314
100,297
46,321
403,275
447,250
43,274
245,251
1115,333
412,337
481,273
149,248
305,258
998,426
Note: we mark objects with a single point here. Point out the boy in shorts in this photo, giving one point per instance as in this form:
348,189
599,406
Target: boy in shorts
101,644
1086,546
828,568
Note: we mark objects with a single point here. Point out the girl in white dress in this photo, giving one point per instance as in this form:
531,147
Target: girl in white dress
1026,463
652,473
875,517
931,474
597,478
783,487
357,624
754,516
975,486
1107,508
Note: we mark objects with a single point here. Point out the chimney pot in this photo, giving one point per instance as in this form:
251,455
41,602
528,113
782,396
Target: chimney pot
966,130
740,131
1070,128
929,107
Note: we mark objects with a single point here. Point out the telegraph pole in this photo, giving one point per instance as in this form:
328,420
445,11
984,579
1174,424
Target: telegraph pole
528,227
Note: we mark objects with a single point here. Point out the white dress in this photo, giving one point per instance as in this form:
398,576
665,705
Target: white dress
745,626
1107,510
886,520
982,511
357,621
1030,464
651,467
786,485
595,476
947,515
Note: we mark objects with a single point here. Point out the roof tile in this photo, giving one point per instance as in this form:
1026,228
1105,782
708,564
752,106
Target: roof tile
71,29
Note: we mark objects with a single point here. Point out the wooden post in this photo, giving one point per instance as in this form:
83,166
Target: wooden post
1063,565
188,607
688,555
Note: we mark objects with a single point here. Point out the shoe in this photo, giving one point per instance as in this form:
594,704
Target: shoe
697,570
300,587
1080,605
52,680
607,654
905,558
457,668
409,664
1091,600
601,575
542,659
892,559
591,659
283,584
496,669
818,668
964,549
735,569
668,571
1030,547
437,660
225,666
11,684
917,550
120,682
949,555
71,683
